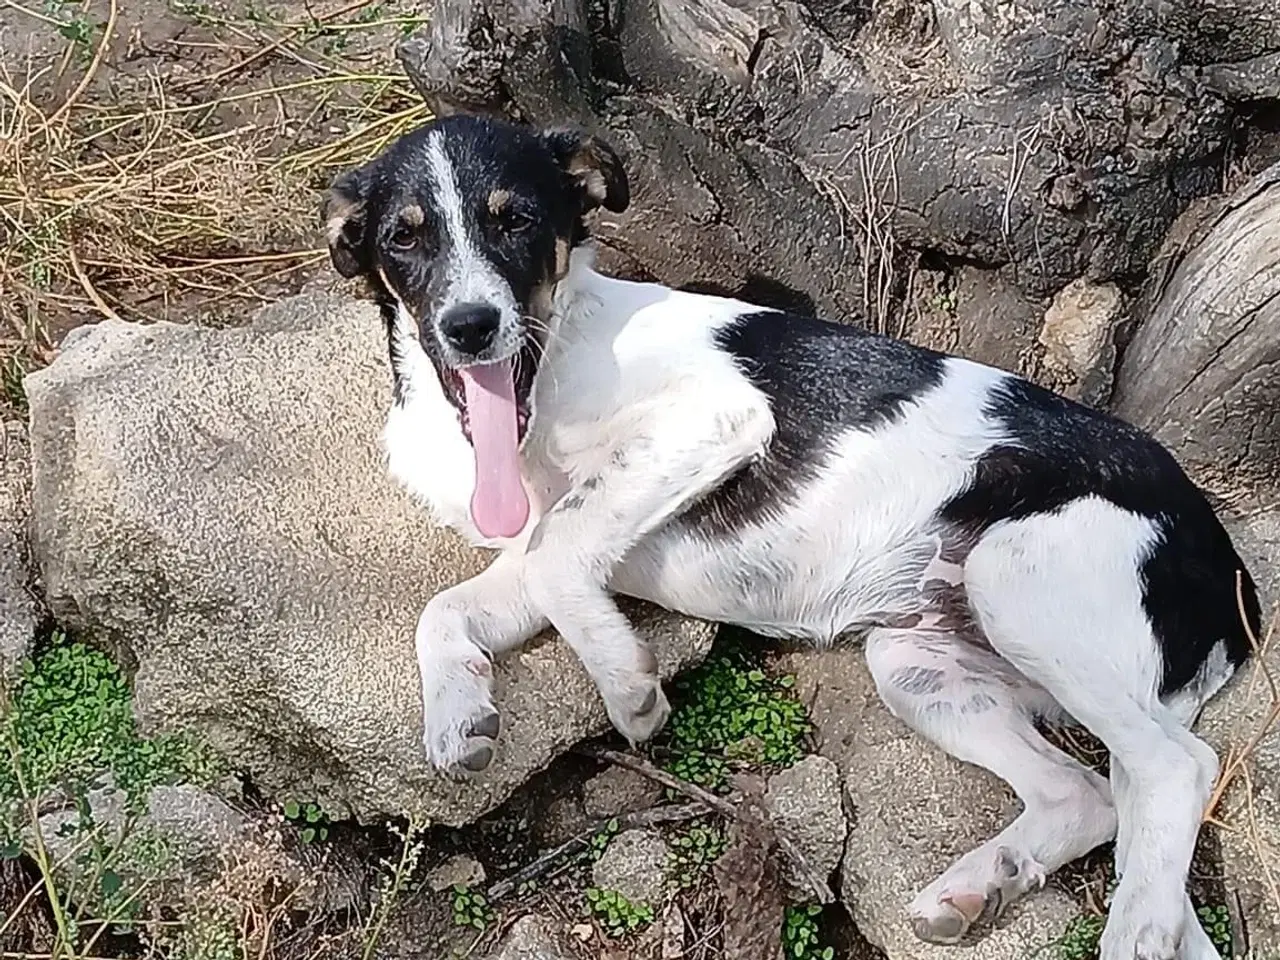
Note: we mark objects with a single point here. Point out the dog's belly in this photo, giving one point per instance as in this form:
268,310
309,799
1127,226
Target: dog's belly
784,585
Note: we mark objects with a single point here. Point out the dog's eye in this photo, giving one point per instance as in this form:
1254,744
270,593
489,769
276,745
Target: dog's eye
515,222
404,238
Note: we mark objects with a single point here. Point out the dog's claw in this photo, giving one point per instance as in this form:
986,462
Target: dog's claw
650,701
478,760
945,930
487,727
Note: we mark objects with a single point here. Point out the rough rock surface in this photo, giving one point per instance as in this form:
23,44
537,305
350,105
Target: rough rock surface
532,938
1203,370
19,612
214,505
806,801
804,146
914,810
616,790
634,864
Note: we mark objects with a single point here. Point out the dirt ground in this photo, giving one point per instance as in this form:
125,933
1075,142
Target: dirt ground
163,159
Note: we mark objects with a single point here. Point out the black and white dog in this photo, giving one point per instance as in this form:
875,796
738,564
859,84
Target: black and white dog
1008,554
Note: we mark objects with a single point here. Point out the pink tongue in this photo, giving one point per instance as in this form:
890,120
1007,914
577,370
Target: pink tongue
499,505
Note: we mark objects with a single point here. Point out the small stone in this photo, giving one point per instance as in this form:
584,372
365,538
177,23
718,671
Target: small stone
634,865
457,871
1079,340
206,842
562,820
531,938
805,802
617,791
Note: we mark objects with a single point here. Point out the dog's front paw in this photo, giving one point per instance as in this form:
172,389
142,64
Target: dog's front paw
637,706
460,725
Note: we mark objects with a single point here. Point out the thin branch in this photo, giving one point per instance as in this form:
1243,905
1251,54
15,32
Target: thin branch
668,813
816,884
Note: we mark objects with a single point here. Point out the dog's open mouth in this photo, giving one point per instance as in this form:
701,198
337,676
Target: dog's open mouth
493,405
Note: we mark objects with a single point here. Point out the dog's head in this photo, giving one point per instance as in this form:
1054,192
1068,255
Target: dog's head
464,227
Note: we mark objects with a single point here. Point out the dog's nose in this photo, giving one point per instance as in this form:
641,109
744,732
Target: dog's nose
469,327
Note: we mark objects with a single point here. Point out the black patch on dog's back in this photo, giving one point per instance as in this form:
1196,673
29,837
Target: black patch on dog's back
1064,451
822,379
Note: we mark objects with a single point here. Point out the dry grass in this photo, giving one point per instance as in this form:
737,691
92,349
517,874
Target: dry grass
140,198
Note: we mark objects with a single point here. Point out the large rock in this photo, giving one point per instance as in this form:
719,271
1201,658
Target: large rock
19,612
914,810
214,505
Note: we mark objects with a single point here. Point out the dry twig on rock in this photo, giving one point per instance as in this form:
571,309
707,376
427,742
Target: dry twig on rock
731,807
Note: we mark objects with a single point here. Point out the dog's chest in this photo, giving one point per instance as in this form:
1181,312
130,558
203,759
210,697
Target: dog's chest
428,454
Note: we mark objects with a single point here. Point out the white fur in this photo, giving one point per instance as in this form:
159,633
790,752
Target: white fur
636,413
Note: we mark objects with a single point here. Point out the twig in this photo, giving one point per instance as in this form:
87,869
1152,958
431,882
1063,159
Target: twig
86,284
90,73
817,885
668,813
1239,936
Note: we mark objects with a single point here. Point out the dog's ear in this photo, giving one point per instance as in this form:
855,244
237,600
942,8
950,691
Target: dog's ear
344,214
594,167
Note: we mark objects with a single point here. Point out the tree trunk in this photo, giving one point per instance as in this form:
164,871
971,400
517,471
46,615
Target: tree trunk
1203,370
811,153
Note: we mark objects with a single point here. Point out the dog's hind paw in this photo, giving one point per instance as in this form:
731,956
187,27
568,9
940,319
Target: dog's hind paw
980,886
1144,923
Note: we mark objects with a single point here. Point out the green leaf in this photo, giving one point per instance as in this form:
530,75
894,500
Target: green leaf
109,883
291,809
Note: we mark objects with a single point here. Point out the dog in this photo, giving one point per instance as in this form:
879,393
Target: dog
1009,555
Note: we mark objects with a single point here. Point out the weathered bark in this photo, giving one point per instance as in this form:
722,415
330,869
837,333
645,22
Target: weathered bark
1203,370
808,144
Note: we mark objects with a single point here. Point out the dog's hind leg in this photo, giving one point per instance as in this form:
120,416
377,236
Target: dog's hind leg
1061,596
972,704
1196,942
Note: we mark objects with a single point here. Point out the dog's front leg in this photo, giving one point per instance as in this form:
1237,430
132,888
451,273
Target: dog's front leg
459,633
644,482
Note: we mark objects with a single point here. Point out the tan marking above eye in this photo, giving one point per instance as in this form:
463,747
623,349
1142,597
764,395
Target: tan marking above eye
498,199
412,216
562,257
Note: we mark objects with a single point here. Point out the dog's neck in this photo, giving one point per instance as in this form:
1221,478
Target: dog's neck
577,293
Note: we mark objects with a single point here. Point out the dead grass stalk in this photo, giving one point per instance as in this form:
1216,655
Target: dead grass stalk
122,203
